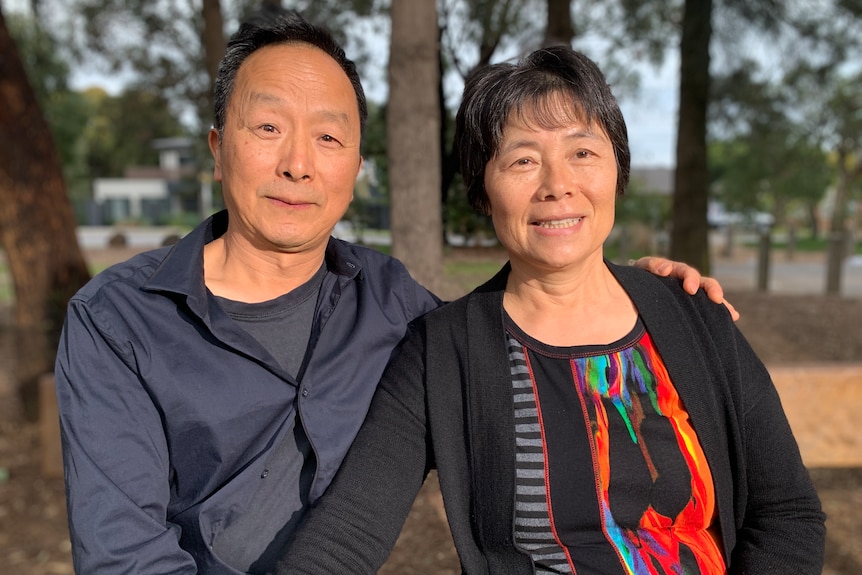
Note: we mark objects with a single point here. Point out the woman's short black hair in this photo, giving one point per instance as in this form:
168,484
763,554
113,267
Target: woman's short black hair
533,86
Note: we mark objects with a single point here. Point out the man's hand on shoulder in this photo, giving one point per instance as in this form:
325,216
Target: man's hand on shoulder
689,276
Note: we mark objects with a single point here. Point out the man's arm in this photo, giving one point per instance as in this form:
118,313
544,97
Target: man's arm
115,458
689,276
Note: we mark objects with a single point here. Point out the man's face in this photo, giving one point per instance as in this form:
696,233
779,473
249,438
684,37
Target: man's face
289,152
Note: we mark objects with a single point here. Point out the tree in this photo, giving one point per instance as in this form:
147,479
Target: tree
846,102
558,27
765,158
825,78
213,40
490,27
120,130
654,23
37,228
688,240
413,125
175,47
66,111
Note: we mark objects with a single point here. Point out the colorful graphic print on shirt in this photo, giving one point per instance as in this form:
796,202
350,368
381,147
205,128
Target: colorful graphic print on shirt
611,477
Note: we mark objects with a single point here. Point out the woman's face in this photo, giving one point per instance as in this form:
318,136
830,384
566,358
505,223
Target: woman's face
552,191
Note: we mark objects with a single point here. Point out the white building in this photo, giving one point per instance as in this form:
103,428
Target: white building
150,193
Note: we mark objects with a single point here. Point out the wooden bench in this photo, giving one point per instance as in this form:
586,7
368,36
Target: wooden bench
824,406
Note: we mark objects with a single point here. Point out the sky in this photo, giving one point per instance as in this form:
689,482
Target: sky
651,114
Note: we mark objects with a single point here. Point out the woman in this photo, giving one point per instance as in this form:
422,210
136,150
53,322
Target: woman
583,417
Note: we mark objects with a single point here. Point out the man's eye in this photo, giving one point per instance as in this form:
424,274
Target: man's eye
328,138
268,128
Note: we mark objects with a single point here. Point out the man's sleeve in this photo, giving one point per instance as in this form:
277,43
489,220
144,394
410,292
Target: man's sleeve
115,456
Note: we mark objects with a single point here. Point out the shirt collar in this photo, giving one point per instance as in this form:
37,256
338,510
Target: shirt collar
182,270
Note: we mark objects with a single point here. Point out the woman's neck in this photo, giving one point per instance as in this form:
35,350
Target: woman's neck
567,308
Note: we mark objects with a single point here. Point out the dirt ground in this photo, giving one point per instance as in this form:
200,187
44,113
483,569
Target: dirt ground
783,329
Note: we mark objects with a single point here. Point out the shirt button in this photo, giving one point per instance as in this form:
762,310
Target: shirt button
264,474
304,393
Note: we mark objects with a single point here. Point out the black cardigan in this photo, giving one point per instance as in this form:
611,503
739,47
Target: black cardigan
445,402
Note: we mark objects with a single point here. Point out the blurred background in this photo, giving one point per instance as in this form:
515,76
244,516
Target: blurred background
745,121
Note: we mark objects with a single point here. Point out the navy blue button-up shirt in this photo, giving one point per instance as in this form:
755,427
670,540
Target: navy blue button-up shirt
169,409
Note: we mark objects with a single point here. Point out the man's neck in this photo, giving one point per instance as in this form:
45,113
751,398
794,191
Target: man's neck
243,273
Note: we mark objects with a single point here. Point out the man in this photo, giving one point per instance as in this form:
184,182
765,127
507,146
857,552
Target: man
209,391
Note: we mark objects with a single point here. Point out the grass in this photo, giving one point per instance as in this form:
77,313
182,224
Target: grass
806,244
6,291
467,274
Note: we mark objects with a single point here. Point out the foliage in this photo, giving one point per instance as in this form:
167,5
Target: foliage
804,49
641,220
122,128
374,144
767,160
97,135
462,220
159,42
474,32
47,70
639,206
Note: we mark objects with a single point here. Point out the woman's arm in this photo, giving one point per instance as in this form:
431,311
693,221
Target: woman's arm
782,530
354,525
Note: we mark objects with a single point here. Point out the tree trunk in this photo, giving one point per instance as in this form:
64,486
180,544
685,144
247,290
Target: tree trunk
37,226
448,157
213,41
836,250
559,29
689,236
413,131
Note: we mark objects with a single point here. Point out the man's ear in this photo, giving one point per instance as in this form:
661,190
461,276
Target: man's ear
215,149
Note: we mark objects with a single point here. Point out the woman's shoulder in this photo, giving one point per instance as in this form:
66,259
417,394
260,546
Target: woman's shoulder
649,291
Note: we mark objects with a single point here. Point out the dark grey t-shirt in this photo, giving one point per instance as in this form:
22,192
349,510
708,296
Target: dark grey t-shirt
252,542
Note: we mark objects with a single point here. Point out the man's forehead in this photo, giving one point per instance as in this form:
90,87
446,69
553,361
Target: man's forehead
268,78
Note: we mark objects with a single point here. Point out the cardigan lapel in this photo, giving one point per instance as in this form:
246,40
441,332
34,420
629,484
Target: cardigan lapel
490,414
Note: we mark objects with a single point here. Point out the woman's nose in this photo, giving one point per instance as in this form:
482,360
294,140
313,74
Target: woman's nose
557,182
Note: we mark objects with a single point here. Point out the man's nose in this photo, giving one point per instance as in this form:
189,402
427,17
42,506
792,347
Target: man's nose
296,162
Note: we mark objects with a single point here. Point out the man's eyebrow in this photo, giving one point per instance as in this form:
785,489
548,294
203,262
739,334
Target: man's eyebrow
333,116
